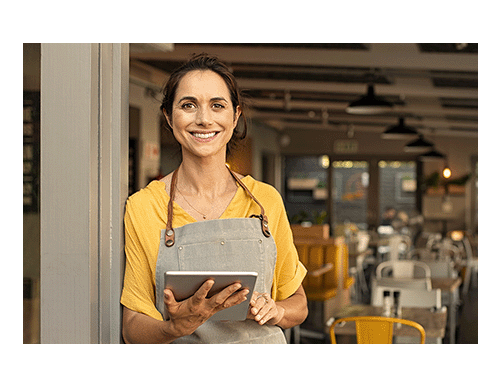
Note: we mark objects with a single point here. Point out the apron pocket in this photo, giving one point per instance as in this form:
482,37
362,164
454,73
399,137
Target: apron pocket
224,255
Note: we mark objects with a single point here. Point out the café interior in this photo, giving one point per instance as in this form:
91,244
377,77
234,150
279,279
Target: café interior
374,149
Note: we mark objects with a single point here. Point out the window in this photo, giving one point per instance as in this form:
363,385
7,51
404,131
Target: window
306,191
350,191
361,189
397,186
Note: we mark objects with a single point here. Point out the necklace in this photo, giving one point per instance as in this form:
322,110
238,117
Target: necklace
204,215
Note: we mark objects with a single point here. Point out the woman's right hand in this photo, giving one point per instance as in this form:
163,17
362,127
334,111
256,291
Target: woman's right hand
187,315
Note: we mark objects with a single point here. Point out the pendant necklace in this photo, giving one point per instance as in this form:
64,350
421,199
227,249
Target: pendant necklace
204,215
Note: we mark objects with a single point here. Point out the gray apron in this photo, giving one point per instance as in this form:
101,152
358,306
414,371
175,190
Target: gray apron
237,244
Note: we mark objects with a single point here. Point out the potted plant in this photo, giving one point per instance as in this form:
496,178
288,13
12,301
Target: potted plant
435,185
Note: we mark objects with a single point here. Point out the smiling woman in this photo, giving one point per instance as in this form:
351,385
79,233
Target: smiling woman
202,115
209,64
219,221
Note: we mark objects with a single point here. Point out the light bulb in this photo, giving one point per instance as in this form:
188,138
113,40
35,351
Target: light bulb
446,172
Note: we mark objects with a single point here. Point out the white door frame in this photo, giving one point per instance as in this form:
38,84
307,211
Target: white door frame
84,186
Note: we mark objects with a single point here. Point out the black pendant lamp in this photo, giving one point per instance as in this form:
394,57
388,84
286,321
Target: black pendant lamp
369,104
418,145
399,131
432,155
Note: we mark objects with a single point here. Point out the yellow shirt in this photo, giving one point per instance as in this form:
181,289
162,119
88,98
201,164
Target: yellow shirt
146,215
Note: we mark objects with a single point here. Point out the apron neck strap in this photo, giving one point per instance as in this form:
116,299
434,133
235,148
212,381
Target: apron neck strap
263,218
169,232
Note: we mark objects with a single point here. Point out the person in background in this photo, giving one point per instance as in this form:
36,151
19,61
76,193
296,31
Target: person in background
388,216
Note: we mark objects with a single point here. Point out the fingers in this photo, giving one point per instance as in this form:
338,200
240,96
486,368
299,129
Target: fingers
263,308
200,295
274,315
199,307
169,298
229,296
170,302
254,298
187,315
259,300
265,313
236,298
169,295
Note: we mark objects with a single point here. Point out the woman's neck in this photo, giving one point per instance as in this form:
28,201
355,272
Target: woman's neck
205,177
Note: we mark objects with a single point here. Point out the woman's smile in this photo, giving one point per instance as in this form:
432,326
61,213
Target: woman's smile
204,137
203,118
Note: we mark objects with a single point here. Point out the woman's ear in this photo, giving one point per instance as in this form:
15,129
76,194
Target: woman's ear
166,117
237,114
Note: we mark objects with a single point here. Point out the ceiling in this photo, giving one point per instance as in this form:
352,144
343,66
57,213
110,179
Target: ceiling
434,86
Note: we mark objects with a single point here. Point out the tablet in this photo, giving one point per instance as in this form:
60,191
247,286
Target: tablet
185,283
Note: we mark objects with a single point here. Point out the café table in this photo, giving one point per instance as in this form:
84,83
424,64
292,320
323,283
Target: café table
442,218
433,321
450,285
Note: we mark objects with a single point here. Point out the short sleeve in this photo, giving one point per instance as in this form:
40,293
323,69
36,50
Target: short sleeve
138,286
289,271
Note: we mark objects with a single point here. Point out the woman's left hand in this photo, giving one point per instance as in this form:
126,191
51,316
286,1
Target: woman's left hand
263,309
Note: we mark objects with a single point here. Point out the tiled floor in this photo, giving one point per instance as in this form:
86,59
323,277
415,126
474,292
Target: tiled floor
468,319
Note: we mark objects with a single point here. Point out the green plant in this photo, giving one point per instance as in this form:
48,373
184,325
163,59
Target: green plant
434,180
319,217
299,218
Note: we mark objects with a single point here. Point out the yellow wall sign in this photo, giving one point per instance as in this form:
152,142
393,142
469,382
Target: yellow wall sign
345,146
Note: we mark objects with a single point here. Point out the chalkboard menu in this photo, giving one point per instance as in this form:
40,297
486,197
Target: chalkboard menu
31,151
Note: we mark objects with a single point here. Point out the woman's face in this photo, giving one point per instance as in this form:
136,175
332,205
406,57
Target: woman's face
203,118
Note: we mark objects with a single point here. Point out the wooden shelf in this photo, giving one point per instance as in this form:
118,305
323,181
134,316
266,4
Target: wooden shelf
454,190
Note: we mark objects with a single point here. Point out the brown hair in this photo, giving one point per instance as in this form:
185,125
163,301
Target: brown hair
205,62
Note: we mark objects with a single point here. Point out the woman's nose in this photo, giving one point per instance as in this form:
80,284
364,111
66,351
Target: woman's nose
203,117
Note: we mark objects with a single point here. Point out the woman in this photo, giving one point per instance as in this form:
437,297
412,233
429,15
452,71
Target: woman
199,218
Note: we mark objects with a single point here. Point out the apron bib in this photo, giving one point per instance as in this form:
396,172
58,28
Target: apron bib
237,244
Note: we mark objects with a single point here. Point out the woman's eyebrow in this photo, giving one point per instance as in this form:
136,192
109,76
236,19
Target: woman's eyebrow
192,98
218,99
186,98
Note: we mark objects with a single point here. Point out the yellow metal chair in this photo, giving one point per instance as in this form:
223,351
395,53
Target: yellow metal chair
375,329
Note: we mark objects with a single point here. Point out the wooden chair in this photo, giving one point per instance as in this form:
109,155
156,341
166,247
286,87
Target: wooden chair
327,283
327,264
375,329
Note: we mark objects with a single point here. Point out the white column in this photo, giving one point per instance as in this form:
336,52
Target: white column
84,153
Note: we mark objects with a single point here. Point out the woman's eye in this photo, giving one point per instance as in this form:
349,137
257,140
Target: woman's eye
188,105
218,106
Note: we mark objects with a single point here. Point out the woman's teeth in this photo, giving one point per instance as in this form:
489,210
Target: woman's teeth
204,135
